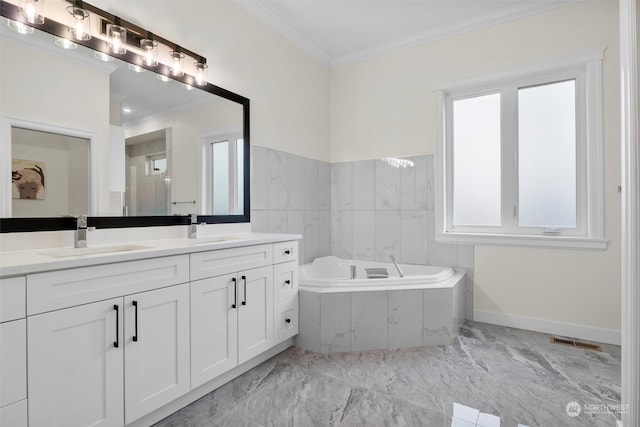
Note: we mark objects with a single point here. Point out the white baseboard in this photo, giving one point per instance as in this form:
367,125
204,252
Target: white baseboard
572,330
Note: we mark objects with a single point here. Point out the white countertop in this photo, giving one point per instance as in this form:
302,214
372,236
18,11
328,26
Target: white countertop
35,261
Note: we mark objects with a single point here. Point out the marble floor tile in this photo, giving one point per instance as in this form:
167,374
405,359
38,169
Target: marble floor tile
508,373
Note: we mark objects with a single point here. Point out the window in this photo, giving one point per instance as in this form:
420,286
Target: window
520,157
156,164
223,191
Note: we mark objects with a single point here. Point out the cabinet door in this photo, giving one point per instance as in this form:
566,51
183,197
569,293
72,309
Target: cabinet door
255,312
214,328
156,349
75,369
13,361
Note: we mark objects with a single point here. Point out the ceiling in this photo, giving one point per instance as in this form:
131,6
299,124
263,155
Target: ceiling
340,32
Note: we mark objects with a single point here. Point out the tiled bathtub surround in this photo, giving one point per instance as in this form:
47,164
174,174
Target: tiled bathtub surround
363,210
378,210
291,194
369,320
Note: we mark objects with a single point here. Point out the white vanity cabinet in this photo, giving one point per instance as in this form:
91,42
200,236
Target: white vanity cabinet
285,290
232,313
110,362
130,341
13,353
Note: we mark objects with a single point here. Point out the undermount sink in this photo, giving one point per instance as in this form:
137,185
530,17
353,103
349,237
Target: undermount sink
71,252
213,239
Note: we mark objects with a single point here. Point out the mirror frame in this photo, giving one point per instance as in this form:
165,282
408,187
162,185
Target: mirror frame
15,225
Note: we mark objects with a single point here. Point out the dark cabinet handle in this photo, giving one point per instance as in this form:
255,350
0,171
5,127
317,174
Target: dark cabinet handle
116,343
135,333
235,292
287,252
287,320
288,282
244,280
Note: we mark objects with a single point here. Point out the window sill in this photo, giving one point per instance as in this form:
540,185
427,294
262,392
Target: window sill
561,242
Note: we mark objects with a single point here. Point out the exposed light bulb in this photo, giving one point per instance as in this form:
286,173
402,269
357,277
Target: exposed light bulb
201,73
31,10
80,24
176,63
150,52
117,39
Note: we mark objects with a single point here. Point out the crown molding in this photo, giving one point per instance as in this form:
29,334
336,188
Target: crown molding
273,20
268,16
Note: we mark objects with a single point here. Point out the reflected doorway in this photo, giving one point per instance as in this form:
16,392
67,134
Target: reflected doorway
148,179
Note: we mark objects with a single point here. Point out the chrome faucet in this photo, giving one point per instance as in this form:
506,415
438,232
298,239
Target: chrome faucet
395,262
80,234
193,228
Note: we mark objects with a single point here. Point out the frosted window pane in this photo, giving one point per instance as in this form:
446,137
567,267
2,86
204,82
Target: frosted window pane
220,178
476,161
547,155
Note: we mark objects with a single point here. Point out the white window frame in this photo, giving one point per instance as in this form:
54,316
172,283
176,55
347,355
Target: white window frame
586,68
206,168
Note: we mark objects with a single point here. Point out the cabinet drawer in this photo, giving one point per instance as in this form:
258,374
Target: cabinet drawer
12,298
13,361
67,288
225,261
285,251
286,320
285,281
14,415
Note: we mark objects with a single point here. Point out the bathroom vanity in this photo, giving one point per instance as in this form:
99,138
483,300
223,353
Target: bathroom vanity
126,337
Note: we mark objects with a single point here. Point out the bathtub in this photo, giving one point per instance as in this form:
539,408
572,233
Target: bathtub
339,314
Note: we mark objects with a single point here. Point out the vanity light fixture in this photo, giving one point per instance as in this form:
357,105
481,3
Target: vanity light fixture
65,43
201,72
80,21
150,50
117,35
110,37
32,10
177,60
19,27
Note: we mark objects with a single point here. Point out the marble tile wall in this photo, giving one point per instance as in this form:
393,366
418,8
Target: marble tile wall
359,321
364,210
378,210
291,194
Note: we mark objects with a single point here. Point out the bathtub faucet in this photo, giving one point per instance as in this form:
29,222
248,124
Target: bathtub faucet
395,262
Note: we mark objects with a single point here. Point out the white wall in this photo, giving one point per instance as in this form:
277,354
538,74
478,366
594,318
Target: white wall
386,107
43,88
289,90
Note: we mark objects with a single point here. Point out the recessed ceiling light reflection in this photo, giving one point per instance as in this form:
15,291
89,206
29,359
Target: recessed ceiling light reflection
103,56
136,68
19,27
65,44
126,110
